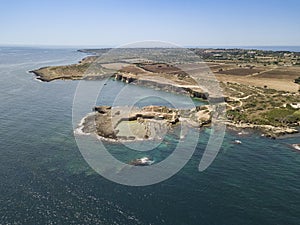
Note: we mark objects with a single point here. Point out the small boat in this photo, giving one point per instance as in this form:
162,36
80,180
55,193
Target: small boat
145,161
237,142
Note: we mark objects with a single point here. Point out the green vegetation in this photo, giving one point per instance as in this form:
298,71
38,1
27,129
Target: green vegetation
261,106
282,116
237,116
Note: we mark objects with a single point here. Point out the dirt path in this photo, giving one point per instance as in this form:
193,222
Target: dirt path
262,72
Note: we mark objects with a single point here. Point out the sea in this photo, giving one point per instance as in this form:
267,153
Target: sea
46,180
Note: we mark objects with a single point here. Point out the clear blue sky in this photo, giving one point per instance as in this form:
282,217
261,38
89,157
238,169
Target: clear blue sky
186,22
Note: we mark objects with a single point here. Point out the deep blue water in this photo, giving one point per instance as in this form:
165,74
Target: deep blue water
45,180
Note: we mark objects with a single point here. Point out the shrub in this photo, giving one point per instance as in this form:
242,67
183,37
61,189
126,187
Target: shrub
281,116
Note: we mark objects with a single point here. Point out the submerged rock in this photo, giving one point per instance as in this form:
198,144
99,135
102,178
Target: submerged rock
296,146
145,161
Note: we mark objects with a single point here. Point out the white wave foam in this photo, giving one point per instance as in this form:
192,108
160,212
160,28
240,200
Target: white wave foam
37,79
79,129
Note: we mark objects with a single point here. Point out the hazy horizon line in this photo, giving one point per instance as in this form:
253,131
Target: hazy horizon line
118,46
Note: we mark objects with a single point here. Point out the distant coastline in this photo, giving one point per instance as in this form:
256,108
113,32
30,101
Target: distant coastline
290,48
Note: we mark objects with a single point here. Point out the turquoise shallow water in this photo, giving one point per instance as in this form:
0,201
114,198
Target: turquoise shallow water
45,180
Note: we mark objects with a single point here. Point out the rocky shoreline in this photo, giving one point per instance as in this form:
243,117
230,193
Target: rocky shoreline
266,130
152,122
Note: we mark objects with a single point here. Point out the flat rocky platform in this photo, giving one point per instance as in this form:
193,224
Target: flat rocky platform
147,123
